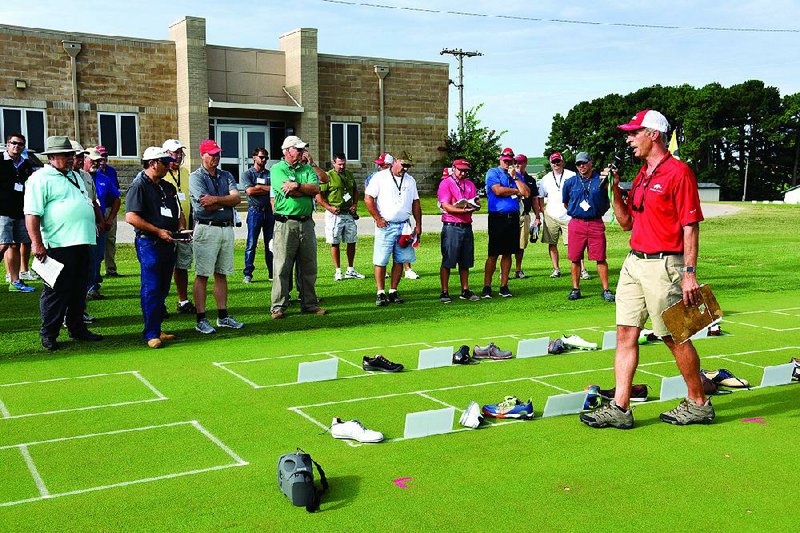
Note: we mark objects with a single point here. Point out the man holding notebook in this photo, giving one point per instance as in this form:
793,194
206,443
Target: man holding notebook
663,214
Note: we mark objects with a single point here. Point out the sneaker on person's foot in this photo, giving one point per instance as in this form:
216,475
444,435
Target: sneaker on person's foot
380,364
487,292
352,274
19,286
556,273
155,343
445,298
574,294
471,417
381,300
520,274
29,275
353,430
94,295
510,407
609,415
229,322
278,315
638,393
469,295
410,274
204,327
608,296
50,344
687,412
504,292
247,279
186,308
492,351
337,276
726,379
394,298
585,274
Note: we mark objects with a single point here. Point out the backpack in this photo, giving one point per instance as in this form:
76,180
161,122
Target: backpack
296,479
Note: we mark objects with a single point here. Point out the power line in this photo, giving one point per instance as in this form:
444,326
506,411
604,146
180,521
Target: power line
565,21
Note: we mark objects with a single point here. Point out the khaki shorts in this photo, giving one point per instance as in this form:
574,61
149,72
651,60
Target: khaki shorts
552,229
524,231
340,228
646,287
213,250
184,255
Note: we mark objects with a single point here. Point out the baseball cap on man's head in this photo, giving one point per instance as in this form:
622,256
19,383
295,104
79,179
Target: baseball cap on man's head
102,149
507,153
94,154
583,157
647,119
79,150
293,141
462,164
172,145
556,155
156,152
382,159
521,158
210,147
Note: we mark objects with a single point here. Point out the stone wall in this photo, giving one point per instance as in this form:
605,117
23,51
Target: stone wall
114,75
415,103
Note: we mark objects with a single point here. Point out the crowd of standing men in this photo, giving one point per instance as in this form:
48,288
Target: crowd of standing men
66,213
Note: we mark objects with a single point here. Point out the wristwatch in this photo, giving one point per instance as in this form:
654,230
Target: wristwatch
690,270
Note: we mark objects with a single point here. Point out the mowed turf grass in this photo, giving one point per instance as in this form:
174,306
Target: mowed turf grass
551,474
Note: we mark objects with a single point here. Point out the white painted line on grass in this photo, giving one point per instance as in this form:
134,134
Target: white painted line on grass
219,443
51,380
431,398
368,348
149,385
651,373
226,369
37,478
540,382
739,362
409,344
91,435
86,408
4,410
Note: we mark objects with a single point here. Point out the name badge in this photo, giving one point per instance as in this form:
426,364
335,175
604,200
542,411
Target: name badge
585,205
346,197
166,212
261,181
182,196
513,196
18,187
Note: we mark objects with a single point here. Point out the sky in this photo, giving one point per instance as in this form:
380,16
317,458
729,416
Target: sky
530,69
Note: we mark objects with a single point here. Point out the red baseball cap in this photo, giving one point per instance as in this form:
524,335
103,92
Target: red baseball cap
507,153
647,119
210,147
556,155
462,164
521,158
102,149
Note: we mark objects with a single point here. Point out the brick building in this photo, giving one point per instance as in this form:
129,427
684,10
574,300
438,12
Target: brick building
132,93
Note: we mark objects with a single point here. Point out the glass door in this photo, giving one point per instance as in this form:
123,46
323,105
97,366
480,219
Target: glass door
238,143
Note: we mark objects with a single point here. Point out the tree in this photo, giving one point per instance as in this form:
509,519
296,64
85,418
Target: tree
477,143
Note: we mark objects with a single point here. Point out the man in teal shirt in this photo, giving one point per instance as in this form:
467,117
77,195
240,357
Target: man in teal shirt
295,182
60,218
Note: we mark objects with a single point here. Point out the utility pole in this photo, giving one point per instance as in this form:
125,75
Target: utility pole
460,54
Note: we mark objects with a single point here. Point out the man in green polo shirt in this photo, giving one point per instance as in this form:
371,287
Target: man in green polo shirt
339,197
295,182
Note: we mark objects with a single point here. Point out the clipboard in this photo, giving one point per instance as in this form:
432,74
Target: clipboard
683,321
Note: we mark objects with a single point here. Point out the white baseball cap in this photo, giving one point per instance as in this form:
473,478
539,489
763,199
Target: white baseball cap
647,119
172,145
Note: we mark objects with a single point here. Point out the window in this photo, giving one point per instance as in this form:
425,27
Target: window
29,122
346,137
119,133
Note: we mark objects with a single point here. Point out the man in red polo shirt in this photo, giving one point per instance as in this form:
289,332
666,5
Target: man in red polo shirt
457,200
663,213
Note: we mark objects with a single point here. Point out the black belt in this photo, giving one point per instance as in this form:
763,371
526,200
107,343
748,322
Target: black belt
264,209
284,218
215,223
458,224
590,219
514,214
656,255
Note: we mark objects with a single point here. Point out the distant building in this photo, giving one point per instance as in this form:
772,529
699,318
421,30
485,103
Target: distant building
132,93
792,195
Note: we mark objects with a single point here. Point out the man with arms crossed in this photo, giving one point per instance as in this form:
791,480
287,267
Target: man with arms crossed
663,212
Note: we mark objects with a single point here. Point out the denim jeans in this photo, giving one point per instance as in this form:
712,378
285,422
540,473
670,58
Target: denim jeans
98,254
157,260
257,222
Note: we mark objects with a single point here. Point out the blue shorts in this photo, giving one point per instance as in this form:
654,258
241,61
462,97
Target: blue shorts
386,246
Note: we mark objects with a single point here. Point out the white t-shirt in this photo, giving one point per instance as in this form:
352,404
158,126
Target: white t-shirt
550,188
393,196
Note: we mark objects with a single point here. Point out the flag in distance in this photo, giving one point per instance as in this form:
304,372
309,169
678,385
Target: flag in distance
673,145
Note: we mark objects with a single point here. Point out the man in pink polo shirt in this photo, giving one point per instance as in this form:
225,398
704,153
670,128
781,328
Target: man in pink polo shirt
458,199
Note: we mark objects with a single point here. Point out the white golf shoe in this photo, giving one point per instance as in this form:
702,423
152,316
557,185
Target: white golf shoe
353,430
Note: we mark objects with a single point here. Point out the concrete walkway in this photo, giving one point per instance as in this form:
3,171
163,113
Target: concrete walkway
430,223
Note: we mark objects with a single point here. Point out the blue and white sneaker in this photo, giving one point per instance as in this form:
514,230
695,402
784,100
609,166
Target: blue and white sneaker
593,399
510,407
19,286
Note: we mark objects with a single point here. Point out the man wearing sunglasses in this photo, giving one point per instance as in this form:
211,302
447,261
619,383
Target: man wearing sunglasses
663,214
14,172
256,182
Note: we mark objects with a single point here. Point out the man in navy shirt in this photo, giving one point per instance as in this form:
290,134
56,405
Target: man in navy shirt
504,192
586,200
260,220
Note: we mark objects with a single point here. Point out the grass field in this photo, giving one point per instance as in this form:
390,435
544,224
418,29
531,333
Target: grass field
115,436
